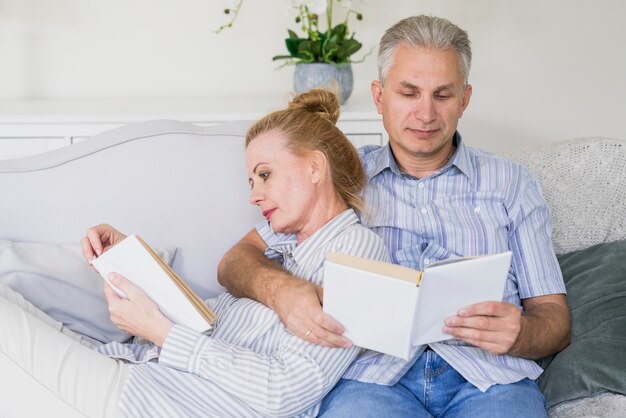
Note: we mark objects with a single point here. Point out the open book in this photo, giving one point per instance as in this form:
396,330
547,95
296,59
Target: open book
390,308
135,260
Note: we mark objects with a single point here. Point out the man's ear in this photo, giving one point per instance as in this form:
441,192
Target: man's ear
467,94
319,166
377,94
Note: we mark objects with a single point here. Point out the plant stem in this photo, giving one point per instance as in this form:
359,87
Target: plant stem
329,14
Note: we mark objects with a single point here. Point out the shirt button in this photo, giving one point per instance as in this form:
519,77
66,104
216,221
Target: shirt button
424,211
477,209
420,185
426,261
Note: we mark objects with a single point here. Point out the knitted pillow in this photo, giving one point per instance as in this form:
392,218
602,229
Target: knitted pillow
584,182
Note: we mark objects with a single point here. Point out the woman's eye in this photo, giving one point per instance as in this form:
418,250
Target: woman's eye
264,175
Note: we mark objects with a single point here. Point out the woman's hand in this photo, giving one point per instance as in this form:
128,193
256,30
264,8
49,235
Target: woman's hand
98,239
136,314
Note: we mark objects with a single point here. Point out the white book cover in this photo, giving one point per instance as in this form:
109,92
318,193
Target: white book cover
391,309
133,261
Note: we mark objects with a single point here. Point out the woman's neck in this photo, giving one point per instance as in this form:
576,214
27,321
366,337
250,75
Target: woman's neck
325,210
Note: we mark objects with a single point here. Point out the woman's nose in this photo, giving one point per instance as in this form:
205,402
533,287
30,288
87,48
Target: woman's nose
255,196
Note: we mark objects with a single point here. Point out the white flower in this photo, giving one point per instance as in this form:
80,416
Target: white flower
346,4
315,6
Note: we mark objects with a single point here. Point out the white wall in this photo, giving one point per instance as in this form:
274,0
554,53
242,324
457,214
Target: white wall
543,70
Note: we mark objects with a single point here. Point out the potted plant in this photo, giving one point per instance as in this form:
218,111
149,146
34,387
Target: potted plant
322,57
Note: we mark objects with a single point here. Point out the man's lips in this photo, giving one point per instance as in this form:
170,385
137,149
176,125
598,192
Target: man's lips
424,133
268,213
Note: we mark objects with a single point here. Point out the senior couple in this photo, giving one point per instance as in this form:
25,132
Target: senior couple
424,197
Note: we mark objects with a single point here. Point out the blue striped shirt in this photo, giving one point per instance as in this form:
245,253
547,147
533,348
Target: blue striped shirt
478,203
250,365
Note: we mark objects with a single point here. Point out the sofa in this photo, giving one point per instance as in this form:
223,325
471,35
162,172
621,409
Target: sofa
184,188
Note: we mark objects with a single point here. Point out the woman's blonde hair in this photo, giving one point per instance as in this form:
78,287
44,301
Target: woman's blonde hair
309,124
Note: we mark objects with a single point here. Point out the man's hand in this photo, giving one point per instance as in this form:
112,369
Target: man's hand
246,272
492,326
136,314
541,329
299,306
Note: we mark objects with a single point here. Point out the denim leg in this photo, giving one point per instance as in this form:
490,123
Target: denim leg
350,399
514,400
431,387
432,381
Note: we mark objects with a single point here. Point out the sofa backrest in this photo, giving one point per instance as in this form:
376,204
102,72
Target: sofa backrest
584,182
174,183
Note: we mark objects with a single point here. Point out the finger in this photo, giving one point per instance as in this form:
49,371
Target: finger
326,338
329,331
488,323
87,250
110,294
493,348
130,291
94,237
471,335
489,308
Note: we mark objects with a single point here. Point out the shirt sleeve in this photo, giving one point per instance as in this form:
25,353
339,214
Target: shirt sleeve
290,380
534,261
286,382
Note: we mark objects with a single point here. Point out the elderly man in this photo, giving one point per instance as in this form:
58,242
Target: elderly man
431,197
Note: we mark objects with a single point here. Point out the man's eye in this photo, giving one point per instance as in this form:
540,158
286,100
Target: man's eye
407,94
442,96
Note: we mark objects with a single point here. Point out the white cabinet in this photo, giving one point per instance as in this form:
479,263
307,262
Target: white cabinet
31,127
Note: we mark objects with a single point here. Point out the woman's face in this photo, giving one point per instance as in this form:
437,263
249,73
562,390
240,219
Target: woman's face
283,184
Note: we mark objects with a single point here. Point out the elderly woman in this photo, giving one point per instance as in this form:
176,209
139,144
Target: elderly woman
306,178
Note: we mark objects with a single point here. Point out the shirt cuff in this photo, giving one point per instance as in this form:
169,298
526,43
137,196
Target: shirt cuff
185,349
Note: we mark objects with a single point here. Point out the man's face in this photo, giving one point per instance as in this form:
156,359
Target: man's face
421,103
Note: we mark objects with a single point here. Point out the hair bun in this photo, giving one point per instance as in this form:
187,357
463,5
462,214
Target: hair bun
322,102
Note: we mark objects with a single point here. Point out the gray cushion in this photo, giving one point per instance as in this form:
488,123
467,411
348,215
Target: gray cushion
57,280
595,361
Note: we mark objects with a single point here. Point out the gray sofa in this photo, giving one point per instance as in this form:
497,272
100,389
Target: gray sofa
184,186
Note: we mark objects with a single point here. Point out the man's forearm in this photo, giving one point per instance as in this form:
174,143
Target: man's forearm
545,329
246,272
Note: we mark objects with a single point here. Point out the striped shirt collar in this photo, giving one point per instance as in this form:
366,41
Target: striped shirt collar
386,159
321,237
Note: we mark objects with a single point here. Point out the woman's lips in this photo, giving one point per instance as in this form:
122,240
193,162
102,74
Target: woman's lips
268,213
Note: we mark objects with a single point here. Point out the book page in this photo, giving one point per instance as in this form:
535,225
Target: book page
130,259
376,310
447,287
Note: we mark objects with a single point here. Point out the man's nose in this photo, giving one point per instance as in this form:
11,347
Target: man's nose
425,110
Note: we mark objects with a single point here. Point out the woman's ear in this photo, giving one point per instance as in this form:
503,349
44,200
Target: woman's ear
319,166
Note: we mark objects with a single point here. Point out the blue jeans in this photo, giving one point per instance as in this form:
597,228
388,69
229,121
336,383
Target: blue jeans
431,387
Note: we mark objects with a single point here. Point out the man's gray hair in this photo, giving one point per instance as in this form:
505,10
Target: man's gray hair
428,32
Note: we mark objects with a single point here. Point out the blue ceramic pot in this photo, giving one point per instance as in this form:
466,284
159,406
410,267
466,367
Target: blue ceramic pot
329,76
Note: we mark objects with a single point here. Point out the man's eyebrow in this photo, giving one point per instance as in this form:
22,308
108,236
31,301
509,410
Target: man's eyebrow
449,86
406,84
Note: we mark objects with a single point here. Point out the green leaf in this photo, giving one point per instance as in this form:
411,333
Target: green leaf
293,45
351,46
292,34
339,31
